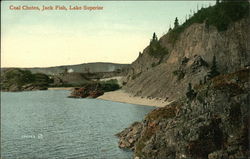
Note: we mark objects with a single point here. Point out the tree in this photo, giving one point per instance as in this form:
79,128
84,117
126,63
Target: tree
154,37
213,70
19,77
176,23
155,48
190,92
42,79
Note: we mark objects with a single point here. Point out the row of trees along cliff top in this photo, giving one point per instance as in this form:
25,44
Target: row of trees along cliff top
220,15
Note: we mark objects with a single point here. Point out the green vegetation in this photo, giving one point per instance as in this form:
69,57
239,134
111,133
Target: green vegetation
155,48
17,78
176,23
41,79
110,85
220,16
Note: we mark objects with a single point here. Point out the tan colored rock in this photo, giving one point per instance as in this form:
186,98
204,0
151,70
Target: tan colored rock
231,48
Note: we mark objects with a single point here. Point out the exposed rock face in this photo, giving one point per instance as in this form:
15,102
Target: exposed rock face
213,125
90,91
130,135
189,60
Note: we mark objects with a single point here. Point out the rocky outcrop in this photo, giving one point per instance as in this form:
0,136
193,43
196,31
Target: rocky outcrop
95,89
26,87
189,59
32,87
90,91
130,135
214,124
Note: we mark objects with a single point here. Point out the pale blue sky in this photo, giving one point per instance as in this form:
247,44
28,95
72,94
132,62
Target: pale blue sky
115,34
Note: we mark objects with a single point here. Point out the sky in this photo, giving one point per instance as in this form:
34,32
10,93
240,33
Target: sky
32,38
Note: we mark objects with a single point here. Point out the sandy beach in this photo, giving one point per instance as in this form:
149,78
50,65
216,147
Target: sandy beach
124,97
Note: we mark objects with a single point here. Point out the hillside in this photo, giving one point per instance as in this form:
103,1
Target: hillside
23,80
80,68
202,68
189,59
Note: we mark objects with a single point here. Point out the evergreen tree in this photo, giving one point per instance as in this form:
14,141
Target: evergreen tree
176,23
213,70
190,92
155,48
154,37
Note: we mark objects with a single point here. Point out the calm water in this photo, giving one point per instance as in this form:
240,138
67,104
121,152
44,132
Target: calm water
46,124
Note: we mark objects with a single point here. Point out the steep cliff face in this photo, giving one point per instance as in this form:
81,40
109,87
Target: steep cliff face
189,59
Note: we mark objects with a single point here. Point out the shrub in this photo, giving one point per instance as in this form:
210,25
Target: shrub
191,94
42,79
110,85
179,73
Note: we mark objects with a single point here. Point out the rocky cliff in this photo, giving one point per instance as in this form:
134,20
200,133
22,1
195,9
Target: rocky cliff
202,66
189,59
214,124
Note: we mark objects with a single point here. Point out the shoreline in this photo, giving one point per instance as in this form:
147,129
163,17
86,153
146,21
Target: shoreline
124,97
61,88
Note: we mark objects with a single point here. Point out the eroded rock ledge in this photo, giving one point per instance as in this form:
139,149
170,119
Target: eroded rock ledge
213,125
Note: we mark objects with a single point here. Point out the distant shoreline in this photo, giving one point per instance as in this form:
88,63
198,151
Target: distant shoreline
124,97
61,88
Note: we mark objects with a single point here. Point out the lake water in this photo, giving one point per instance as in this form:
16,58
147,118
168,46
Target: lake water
48,125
